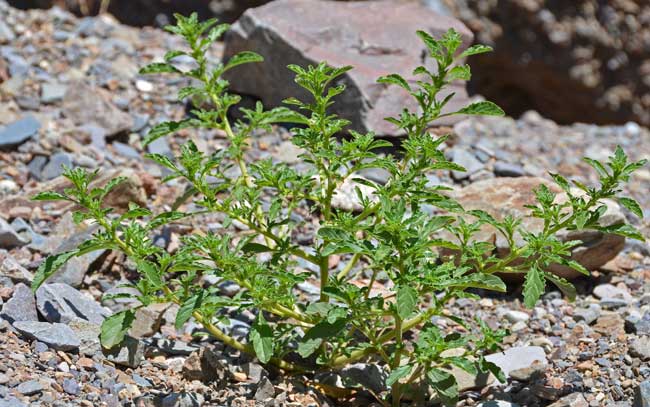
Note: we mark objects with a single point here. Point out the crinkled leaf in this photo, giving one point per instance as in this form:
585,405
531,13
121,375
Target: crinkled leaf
460,72
252,247
395,79
407,299
50,196
565,286
475,49
445,385
533,286
243,57
185,311
623,230
158,67
398,374
314,337
484,108
631,205
165,128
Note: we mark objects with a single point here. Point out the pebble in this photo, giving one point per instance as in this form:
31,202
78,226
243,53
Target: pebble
19,131
516,316
519,357
505,169
56,336
467,160
71,387
56,165
588,315
52,92
641,348
29,387
9,238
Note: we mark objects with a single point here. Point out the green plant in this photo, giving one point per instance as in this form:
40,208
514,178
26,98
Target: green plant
392,234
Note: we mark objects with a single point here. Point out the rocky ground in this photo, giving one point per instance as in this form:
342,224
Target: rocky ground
70,94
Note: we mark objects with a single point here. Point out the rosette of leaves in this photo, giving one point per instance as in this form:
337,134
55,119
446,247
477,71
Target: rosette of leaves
392,235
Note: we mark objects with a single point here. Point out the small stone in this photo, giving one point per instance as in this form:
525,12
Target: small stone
265,390
143,86
63,367
204,366
21,306
71,387
147,320
516,316
129,353
588,315
641,348
255,372
59,302
18,132
55,166
52,92
505,169
183,400
30,387
639,326
605,291
610,324
497,403
9,238
467,160
56,336
532,372
572,400
174,347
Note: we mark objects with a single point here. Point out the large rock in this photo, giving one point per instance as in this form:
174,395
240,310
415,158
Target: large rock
21,306
59,302
56,336
508,196
518,358
83,105
586,54
377,38
9,238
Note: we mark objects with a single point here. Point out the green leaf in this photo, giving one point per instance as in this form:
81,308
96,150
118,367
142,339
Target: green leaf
566,287
173,54
484,108
407,299
395,79
50,196
398,374
631,205
460,72
261,335
252,247
489,367
623,230
50,266
185,311
475,49
596,165
445,385
243,57
150,272
165,128
463,363
314,337
158,67
115,327
533,286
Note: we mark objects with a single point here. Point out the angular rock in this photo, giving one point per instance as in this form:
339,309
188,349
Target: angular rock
172,347
9,267
377,38
206,367
640,348
129,353
52,92
74,270
56,336
147,320
642,395
18,132
84,104
9,238
59,302
519,357
572,400
29,387
370,376
21,306
183,399
55,165
88,334
265,390
507,196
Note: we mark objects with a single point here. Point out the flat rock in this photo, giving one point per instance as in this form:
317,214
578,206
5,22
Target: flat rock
56,336
88,334
508,196
84,104
21,306
377,38
29,387
640,348
59,302
147,320
19,131
572,400
519,357
642,395
9,267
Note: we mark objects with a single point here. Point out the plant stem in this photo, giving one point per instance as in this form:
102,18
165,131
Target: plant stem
353,261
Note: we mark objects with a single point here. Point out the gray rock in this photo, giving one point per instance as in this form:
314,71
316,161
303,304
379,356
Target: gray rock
71,387
19,131
88,334
367,375
21,306
641,348
639,326
609,291
6,33
519,357
126,150
52,92
129,353
56,336
147,320
642,395
59,302
9,238
516,316
265,390
10,268
588,315
30,387
183,400
75,269
467,160
11,402
497,403
255,372
306,32
173,347
505,169
55,165
84,105
572,400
